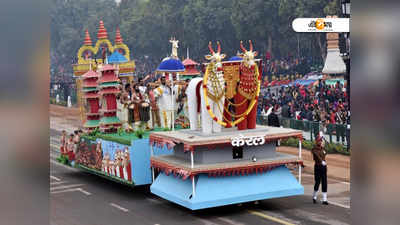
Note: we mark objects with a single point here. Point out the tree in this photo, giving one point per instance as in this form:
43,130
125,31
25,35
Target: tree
69,20
147,25
257,20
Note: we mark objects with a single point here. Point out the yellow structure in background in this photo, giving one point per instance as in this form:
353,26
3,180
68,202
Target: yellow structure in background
87,61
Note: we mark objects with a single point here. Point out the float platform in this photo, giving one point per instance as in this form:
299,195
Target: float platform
207,171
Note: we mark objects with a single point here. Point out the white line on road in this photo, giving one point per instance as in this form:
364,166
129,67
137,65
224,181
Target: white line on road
65,187
71,190
83,191
55,178
119,207
340,205
56,183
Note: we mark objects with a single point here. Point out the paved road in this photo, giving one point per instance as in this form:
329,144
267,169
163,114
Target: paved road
79,198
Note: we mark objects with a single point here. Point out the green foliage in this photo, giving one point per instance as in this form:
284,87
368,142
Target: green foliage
114,139
120,131
329,147
146,26
63,159
337,148
95,132
108,137
166,129
139,133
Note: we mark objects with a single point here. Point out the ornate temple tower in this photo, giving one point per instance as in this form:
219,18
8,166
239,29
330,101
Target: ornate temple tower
190,68
108,86
91,96
91,57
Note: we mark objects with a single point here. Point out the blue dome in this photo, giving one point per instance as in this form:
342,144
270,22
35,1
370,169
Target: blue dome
235,58
116,57
171,65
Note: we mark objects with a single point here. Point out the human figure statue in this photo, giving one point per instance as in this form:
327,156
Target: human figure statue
136,100
155,112
166,107
174,51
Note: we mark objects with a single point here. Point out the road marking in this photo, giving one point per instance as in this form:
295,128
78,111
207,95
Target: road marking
265,216
119,207
340,205
56,183
65,187
55,178
83,191
155,201
71,190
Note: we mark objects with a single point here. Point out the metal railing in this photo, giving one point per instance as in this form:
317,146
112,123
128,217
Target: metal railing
337,133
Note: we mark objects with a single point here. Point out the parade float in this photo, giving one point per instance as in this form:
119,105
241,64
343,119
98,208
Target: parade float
108,148
223,158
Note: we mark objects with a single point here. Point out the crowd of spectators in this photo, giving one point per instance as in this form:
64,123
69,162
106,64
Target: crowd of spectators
289,65
324,103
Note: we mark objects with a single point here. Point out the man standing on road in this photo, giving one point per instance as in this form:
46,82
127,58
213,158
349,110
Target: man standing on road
320,170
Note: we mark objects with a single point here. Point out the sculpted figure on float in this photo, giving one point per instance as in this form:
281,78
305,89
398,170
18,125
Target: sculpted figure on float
174,43
247,89
215,92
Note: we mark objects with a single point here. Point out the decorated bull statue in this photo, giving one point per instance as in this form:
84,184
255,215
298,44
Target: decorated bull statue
213,86
247,93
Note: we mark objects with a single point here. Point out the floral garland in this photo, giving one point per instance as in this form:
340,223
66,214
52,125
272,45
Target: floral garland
245,114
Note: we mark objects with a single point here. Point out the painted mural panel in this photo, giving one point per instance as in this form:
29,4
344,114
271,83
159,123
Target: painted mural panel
89,154
116,160
110,158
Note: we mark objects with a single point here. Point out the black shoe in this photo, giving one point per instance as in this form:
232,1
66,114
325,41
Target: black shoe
325,203
314,201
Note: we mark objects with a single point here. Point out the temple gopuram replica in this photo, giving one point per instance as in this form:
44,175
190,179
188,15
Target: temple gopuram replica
106,149
91,57
190,69
108,85
227,160
91,96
